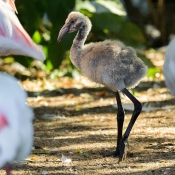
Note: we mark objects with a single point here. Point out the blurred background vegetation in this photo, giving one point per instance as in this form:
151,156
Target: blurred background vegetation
143,24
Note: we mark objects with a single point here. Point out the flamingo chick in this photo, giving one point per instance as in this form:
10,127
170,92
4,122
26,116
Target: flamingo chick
110,63
13,38
169,66
16,127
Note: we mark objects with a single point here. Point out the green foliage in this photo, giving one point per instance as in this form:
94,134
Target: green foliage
44,18
57,12
152,72
145,60
117,27
30,14
36,37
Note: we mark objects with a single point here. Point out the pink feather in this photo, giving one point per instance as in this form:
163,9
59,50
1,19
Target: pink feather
14,40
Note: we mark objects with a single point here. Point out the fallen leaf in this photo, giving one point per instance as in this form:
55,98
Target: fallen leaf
65,159
44,172
33,158
102,93
79,151
54,150
28,159
69,95
86,155
85,95
45,148
78,107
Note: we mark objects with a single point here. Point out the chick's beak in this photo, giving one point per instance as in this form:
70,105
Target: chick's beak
63,31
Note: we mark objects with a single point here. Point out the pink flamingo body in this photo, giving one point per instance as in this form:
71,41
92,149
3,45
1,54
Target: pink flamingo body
16,127
14,40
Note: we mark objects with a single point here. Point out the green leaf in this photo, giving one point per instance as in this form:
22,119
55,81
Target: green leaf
8,60
86,5
145,59
152,72
36,37
45,49
28,15
49,65
86,155
79,151
115,7
57,13
118,27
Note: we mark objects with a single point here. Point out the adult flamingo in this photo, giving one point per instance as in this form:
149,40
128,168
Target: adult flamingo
169,66
16,127
14,40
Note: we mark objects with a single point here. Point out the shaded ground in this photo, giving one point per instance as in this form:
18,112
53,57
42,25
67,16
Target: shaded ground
78,120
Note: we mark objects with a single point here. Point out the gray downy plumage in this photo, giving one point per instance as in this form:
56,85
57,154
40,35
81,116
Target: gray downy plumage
108,62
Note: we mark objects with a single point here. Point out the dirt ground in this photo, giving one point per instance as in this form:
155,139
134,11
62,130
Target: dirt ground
77,119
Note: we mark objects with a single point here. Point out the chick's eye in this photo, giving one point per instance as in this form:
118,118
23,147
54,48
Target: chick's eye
72,21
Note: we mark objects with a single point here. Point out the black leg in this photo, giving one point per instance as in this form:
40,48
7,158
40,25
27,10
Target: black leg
137,110
120,120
